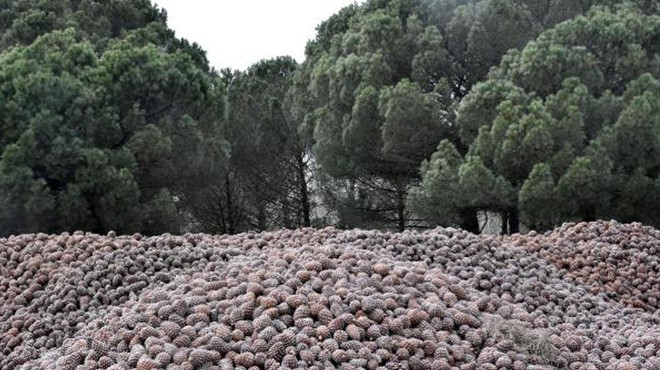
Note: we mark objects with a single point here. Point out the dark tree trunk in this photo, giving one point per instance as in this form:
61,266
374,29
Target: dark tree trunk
470,221
286,215
304,192
231,227
589,214
504,230
401,205
514,220
262,218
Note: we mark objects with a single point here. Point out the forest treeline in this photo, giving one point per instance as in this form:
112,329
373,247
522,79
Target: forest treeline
404,114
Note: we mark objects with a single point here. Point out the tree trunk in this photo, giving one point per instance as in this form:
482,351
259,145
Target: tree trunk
304,191
589,214
401,204
286,215
504,230
231,227
514,220
469,221
261,218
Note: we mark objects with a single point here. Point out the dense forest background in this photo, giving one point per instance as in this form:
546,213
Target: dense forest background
405,114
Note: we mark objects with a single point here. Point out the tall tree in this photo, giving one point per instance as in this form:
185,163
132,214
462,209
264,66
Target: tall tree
379,105
104,137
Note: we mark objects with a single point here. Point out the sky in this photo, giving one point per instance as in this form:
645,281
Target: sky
238,33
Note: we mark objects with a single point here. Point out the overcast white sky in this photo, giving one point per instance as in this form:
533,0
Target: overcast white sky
238,33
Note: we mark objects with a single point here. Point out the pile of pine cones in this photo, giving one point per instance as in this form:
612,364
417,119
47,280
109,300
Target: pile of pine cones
326,299
619,260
